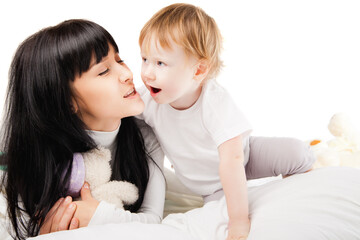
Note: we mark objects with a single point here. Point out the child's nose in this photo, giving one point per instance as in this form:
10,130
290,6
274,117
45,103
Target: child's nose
148,73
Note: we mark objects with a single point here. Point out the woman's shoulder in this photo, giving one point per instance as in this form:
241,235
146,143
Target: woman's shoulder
145,129
152,145
148,134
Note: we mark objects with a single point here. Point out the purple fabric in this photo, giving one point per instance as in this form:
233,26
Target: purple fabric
77,177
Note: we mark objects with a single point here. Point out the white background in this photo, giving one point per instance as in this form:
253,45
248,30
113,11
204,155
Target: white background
290,65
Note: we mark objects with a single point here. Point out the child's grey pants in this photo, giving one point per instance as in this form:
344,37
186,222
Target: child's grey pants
270,156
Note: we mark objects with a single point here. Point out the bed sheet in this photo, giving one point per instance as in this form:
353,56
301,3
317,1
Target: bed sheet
323,204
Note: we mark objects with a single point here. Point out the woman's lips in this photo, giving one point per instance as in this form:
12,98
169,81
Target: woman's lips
131,93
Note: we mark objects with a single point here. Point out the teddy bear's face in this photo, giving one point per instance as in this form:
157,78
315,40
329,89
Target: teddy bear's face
97,167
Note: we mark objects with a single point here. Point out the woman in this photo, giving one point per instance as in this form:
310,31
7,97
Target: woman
69,91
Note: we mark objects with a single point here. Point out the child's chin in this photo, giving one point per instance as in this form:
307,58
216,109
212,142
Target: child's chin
160,101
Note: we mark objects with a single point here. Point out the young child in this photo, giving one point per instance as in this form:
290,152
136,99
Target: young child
201,130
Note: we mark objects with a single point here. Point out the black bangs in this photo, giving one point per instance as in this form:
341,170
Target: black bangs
83,41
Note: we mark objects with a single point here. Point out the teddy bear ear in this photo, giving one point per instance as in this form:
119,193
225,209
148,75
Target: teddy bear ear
340,125
100,153
104,153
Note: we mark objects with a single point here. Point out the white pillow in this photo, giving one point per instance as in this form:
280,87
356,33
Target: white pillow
121,231
321,204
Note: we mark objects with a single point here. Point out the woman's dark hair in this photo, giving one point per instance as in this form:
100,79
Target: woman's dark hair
41,130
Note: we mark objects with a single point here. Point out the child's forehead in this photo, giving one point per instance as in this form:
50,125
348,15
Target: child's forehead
159,43
165,44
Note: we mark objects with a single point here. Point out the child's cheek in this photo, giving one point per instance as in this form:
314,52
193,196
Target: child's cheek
172,88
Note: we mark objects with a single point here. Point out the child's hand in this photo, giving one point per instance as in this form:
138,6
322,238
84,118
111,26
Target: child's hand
238,231
60,217
85,208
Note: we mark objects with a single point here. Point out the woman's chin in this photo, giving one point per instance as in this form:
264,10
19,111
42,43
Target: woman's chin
138,109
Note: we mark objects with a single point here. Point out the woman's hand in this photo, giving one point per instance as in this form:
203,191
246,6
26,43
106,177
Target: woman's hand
60,217
238,230
86,207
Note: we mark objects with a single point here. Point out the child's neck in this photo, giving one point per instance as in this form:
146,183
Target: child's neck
188,100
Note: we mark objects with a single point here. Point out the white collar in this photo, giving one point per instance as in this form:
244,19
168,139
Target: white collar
104,139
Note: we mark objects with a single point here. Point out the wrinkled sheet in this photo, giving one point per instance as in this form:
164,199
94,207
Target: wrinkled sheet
323,204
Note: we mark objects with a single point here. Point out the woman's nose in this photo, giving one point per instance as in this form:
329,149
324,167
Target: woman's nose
125,75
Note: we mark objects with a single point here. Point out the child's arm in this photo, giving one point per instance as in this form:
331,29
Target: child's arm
233,179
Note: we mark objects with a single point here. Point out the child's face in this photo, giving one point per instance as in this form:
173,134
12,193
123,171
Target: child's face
169,74
105,93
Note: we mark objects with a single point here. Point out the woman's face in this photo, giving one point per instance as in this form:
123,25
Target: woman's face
106,93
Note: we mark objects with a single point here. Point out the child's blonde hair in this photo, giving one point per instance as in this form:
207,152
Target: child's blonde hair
190,27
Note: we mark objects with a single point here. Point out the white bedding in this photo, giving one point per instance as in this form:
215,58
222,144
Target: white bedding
322,204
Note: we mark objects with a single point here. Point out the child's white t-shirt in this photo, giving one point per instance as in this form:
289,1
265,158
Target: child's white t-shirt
190,138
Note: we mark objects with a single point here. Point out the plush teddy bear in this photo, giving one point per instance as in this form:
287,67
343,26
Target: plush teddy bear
94,168
343,149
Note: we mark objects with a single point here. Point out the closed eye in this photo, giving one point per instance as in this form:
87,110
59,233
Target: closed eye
104,72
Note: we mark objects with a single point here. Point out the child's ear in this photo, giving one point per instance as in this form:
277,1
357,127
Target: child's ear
201,71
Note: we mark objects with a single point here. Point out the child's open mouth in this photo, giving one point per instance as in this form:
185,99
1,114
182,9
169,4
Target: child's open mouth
155,90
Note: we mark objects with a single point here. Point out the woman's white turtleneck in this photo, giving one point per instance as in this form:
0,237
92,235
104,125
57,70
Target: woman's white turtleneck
151,210
105,139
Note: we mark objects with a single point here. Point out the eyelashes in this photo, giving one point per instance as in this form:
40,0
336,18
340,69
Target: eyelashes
107,70
158,63
104,72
